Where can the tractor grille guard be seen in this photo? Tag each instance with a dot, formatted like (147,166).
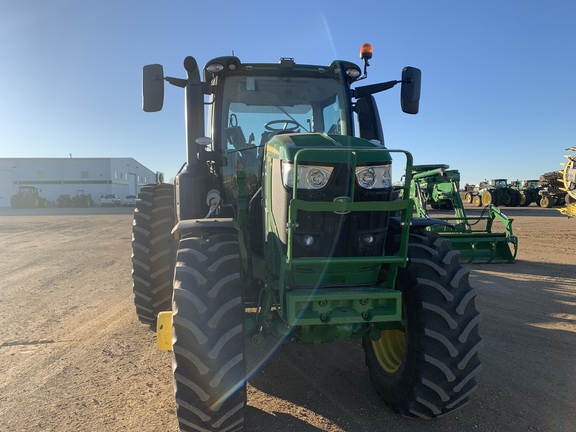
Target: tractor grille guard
(316,304)
(403,206)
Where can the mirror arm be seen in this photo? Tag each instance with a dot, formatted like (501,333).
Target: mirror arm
(181,82)
(178,82)
(360,92)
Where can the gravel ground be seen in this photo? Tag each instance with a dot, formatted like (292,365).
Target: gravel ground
(73,356)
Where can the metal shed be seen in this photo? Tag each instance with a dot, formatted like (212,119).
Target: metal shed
(72,176)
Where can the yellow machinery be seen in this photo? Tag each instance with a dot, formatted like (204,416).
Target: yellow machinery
(569,180)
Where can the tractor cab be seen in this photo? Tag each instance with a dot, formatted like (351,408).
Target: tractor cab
(250,104)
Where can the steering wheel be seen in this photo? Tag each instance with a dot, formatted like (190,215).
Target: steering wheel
(269,128)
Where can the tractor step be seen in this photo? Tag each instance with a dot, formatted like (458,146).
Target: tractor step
(164,331)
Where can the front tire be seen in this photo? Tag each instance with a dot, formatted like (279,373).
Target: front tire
(153,251)
(547,201)
(428,368)
(208,335)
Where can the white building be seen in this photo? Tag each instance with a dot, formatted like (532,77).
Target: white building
(73,176)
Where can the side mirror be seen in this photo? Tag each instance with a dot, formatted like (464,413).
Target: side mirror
(410,93)
(152,88)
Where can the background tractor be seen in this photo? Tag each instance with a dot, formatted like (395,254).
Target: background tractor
(528,191)
(28,197)
(80,200)
(473,191)
(283,225)
(498,193)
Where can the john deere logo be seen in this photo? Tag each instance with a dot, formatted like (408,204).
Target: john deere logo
(342,199)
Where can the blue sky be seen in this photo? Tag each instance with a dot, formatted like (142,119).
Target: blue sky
(499,76)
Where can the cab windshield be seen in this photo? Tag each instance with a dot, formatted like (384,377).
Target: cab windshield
(256,108)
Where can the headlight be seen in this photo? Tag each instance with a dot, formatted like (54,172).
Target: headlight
(374,177)
(309,176)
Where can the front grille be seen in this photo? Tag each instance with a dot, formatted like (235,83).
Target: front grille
(338,235)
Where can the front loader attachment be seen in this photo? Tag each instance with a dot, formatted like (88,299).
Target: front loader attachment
(476,241)
(472,236)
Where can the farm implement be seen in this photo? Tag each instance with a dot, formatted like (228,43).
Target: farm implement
(473,236)
(569,184)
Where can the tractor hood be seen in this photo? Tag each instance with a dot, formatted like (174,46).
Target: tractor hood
(287,146)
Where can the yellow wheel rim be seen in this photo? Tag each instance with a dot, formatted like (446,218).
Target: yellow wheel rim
(486,199)
(522,198)
(390,349)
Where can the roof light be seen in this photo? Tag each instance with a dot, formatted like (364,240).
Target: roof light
(366,51)
(215,68)
(353,73)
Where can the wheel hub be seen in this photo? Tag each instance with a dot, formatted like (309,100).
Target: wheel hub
(390,349)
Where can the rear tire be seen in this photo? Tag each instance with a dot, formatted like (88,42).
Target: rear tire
(429,368)
(517,197)
(208,335)
(525,199)
(153,251)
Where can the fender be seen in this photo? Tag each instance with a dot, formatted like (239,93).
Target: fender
(199,226)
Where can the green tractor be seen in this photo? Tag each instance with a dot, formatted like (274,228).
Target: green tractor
(28,197)
(497,192)
(528,190)
(283,225)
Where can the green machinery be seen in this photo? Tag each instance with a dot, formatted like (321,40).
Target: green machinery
(498,192)
(528,191)
(28,197)
(473,236)
(283,225)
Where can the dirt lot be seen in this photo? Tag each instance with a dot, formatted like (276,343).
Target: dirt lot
(74,358)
